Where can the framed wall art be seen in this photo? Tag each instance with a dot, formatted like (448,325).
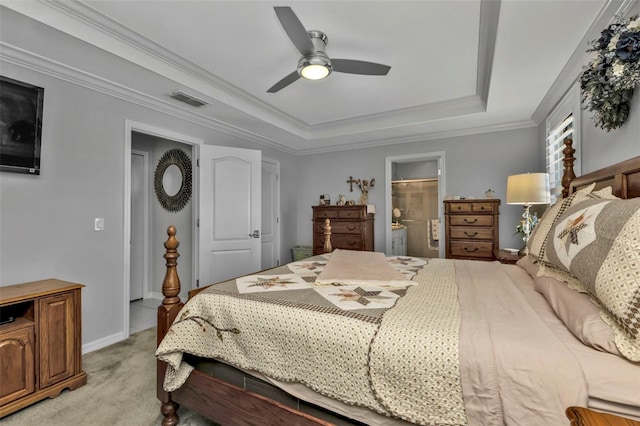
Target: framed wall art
(21,107)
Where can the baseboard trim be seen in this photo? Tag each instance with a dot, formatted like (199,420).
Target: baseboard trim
(103,343)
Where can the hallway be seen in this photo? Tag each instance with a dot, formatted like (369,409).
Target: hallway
(142,314)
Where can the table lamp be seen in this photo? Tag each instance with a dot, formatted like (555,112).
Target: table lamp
(528,189)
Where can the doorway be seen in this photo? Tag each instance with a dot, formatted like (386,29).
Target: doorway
(139,276)
(419,182)
(153,141)
(416,200)
(187,229)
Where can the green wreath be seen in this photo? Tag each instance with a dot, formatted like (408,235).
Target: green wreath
(608,81)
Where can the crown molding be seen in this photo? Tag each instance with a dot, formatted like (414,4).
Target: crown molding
(424,137)
(28,60)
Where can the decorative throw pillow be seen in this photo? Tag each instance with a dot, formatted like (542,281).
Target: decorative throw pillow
(578,313)
(605,193)
(529,264)
(538,238)
(598,242)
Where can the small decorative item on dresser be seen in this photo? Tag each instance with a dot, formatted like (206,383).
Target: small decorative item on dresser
(325,200)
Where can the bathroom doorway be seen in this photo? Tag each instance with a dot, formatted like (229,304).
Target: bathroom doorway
(414,185)
(417,202)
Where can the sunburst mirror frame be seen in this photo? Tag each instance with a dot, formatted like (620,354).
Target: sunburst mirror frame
(173,203)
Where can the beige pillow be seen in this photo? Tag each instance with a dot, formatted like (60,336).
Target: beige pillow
(529,264)
(578,313)
(598,242)
(537,240)
(604,193)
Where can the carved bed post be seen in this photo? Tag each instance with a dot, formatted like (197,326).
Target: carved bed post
(568,160)
(167,313)
(327,236)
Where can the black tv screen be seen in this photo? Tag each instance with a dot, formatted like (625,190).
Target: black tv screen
(21,126)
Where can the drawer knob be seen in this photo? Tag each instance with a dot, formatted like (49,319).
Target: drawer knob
(470,234)
(352,243)
(475,249)
(351,228)
(470,221)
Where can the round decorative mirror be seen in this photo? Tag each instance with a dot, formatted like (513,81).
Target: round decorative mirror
(172,180)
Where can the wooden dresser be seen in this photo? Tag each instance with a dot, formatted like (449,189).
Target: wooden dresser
(351,228)
(40,342)
(471,228)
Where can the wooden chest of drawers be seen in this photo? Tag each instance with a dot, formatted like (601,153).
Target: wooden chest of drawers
(351,228)
(471,228)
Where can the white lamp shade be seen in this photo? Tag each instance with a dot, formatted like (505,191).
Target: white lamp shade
(528,189)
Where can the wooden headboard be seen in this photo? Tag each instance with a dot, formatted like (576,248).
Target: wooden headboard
(624,178)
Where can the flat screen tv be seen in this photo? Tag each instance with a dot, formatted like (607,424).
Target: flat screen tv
(20,126)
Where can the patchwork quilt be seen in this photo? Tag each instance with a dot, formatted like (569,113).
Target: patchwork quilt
(392,349)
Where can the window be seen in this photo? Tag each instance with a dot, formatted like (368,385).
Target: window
(562,123)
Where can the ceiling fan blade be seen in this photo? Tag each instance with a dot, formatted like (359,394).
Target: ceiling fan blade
(352,66)
(294,29)
(284,82)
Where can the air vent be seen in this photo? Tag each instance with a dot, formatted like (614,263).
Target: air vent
(181,96)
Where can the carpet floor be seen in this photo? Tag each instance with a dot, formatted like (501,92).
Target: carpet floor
(120,390)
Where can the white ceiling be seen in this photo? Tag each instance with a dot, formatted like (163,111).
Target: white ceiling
(456,66)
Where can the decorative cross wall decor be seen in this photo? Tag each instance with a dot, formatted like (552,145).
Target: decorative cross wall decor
(351,181)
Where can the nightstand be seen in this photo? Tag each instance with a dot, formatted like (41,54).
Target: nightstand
(581,416)
(505,256)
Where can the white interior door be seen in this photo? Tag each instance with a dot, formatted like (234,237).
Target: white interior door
(270,214)
(138,276)
(230,209)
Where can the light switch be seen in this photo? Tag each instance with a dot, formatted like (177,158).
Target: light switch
(99,224)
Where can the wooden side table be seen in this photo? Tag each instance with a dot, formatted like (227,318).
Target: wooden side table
(581,416)
(505,256)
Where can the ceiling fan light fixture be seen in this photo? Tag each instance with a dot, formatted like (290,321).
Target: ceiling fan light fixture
(314,72)
(314,67)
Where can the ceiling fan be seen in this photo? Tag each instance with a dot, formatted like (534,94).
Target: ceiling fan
(315,64)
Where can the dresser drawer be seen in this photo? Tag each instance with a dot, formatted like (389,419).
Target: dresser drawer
(338,227)
(471,220)
(470,232)
(472,249)
(471,207)
(483,207)
(325,213)
(347,242)
(348,213)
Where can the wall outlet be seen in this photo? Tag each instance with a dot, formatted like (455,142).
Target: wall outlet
(99,224)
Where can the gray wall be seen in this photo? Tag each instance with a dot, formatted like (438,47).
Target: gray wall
(473,164)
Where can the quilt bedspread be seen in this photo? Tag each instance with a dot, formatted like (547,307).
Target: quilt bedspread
(393,350)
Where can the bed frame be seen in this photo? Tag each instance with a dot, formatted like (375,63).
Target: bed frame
(231,405)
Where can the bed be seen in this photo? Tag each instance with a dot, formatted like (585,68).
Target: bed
(357,338)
